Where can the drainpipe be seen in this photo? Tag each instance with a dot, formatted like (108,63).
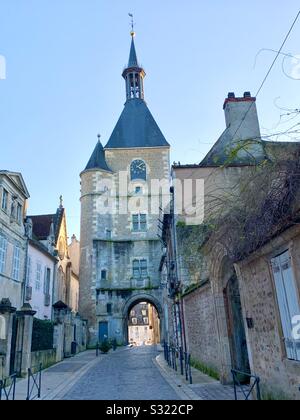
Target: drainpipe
(174,239)
(25,271)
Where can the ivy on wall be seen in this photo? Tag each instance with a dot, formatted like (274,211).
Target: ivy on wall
(42,335)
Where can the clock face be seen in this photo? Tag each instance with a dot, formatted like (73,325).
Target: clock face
(138,170)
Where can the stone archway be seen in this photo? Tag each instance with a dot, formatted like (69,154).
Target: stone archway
(135,300)
(225,290)
(218,268)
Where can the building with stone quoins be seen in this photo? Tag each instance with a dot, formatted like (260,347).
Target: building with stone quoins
(120,249)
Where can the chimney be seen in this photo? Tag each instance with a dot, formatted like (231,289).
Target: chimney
(241,116)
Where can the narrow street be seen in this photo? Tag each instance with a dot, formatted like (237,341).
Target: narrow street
(129,374)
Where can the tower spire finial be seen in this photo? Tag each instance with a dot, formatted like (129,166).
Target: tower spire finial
(132,33)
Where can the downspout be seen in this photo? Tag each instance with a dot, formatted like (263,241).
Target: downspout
(53,285)
(174,238)
(25,271)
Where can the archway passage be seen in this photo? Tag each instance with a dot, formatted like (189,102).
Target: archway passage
(236,329)
(143,325)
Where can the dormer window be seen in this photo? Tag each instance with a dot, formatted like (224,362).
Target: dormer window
(19,213)
(4,202)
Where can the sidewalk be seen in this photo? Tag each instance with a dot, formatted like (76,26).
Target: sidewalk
(204,387)
(58,379)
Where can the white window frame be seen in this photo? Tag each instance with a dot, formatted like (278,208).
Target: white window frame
(16,263)
(139,222)
(3,254)
(288,301)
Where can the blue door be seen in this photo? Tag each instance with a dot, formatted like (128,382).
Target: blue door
(103,331)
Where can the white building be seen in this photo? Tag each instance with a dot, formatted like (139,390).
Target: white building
(41,269)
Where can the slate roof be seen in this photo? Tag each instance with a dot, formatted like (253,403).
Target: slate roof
(97,160)
(237,152)
(136,128)
(42,224)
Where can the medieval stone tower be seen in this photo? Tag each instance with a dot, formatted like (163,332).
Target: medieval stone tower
(120,248)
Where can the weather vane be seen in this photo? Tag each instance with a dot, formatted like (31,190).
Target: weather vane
(132,24)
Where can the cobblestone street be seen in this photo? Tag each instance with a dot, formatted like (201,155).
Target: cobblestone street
(129,374)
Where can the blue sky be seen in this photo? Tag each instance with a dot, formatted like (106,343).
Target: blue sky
(64,86)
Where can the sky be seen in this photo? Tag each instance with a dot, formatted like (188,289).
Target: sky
(63,85)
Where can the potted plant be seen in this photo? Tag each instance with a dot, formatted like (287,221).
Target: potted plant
(104,347)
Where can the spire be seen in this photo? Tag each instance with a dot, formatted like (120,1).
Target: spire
(133,61)
(97,160)
(134,74)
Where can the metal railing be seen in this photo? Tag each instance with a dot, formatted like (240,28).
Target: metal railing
(8,388)
(34,384)
(174,355)
(246,390)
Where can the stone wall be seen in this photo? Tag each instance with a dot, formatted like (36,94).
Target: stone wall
(46,357)
(200,325)
(280,377)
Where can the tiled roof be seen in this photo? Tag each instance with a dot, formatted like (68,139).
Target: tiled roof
(42,224)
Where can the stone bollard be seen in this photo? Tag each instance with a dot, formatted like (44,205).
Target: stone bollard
(7,315)
(25,326)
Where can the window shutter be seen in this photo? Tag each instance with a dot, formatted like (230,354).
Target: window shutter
(288,302)
(16,263)
(3,250)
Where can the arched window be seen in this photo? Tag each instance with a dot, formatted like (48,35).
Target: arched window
(138,170)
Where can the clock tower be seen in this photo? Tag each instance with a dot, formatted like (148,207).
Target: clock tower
(120,201)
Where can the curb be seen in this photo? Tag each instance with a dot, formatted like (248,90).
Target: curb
(181,389)
(65,387)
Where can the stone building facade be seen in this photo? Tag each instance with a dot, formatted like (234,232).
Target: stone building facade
(50,231)
(120,249)
(13,243)
(270,293)
(235,311)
